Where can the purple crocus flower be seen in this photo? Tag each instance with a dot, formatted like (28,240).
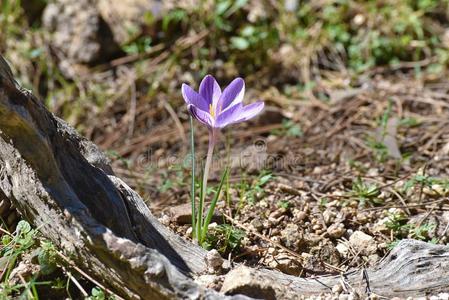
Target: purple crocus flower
(217,109)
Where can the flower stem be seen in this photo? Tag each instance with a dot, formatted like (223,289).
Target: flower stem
(210,151)
(192,199)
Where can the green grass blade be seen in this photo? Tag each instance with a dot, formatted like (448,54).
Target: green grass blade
(192,196)
(199,217)
(211,209)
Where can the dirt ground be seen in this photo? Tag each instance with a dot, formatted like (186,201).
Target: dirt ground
(333,188)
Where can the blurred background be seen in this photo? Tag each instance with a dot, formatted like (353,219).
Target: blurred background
(356,97)
(113,69)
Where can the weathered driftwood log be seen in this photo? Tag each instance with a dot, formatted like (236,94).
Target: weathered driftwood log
(59,182)
(63,184)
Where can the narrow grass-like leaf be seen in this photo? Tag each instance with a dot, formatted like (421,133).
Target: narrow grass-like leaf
(200,212)
(211,209)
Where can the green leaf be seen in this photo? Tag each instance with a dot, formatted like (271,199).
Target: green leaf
(6,239)
(47,258)
(149,18)
(224,237)
(211,209)
(97,294)
(175,15)
(222,7)
(239,43)
(23,227)
(264,179)
(36,52)
(248,30)
(199,214)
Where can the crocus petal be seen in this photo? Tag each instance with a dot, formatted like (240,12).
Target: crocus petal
(232,95)
(193,98)
(201,116)
(229,116)
(250,111)
(210,90)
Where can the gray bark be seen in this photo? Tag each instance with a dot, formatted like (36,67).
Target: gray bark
(59,182)
(63,184)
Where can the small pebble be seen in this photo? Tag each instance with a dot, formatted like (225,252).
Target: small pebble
(214,261)
(300,215)
(165,220)
(343,297)
(337,289)
(257,224)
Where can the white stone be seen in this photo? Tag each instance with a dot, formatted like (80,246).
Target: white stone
(362,242)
